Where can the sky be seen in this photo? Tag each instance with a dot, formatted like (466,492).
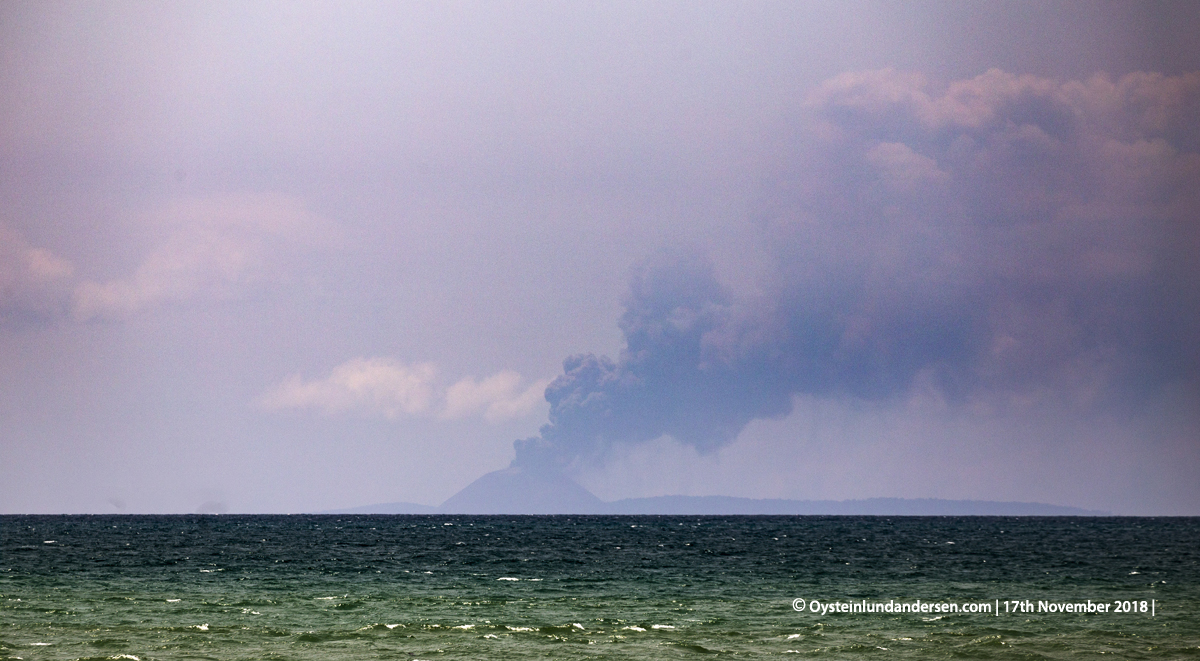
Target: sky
(292,257)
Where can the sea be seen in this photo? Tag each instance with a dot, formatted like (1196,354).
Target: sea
(598,587)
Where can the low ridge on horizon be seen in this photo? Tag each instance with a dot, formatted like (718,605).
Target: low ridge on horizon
(519,491)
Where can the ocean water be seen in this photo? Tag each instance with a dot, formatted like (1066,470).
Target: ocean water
(597,587)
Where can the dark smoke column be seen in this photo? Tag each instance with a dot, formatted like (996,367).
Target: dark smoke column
(686,372)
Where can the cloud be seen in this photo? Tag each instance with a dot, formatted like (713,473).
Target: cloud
(901,168)
(498,397)
(213,247)
(33,281)
(371,385)
(1050,242)
(1009,244)
(386,387)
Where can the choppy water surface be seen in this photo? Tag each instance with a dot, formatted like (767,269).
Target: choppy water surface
(458,587)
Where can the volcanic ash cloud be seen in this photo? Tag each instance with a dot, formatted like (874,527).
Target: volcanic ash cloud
(1008,241)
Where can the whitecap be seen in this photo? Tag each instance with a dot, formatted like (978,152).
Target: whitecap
(202,627)
(491,635)
(125,656)
(464,626)
(661,626)
(1134,572)
(519,628)
(172,601)
(577,625)
(393,626)
(795,635)
(39,644)
(633,628)
(49,541)
(507,578)
(324,598)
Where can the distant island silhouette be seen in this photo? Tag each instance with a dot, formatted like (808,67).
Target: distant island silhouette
(516,490)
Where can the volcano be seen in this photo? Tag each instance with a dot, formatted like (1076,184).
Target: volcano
(519,490)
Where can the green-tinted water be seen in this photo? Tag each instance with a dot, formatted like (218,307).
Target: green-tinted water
(451,587)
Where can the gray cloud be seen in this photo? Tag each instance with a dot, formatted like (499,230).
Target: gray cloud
(34,282)
(1048,261)
(217,246)
(672,378)
(1008,243)
(212,247)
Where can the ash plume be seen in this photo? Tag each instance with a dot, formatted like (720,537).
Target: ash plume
(1005,243)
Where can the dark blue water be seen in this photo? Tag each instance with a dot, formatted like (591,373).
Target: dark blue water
(453,587)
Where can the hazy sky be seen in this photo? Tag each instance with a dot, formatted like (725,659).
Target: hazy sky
(285,257)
